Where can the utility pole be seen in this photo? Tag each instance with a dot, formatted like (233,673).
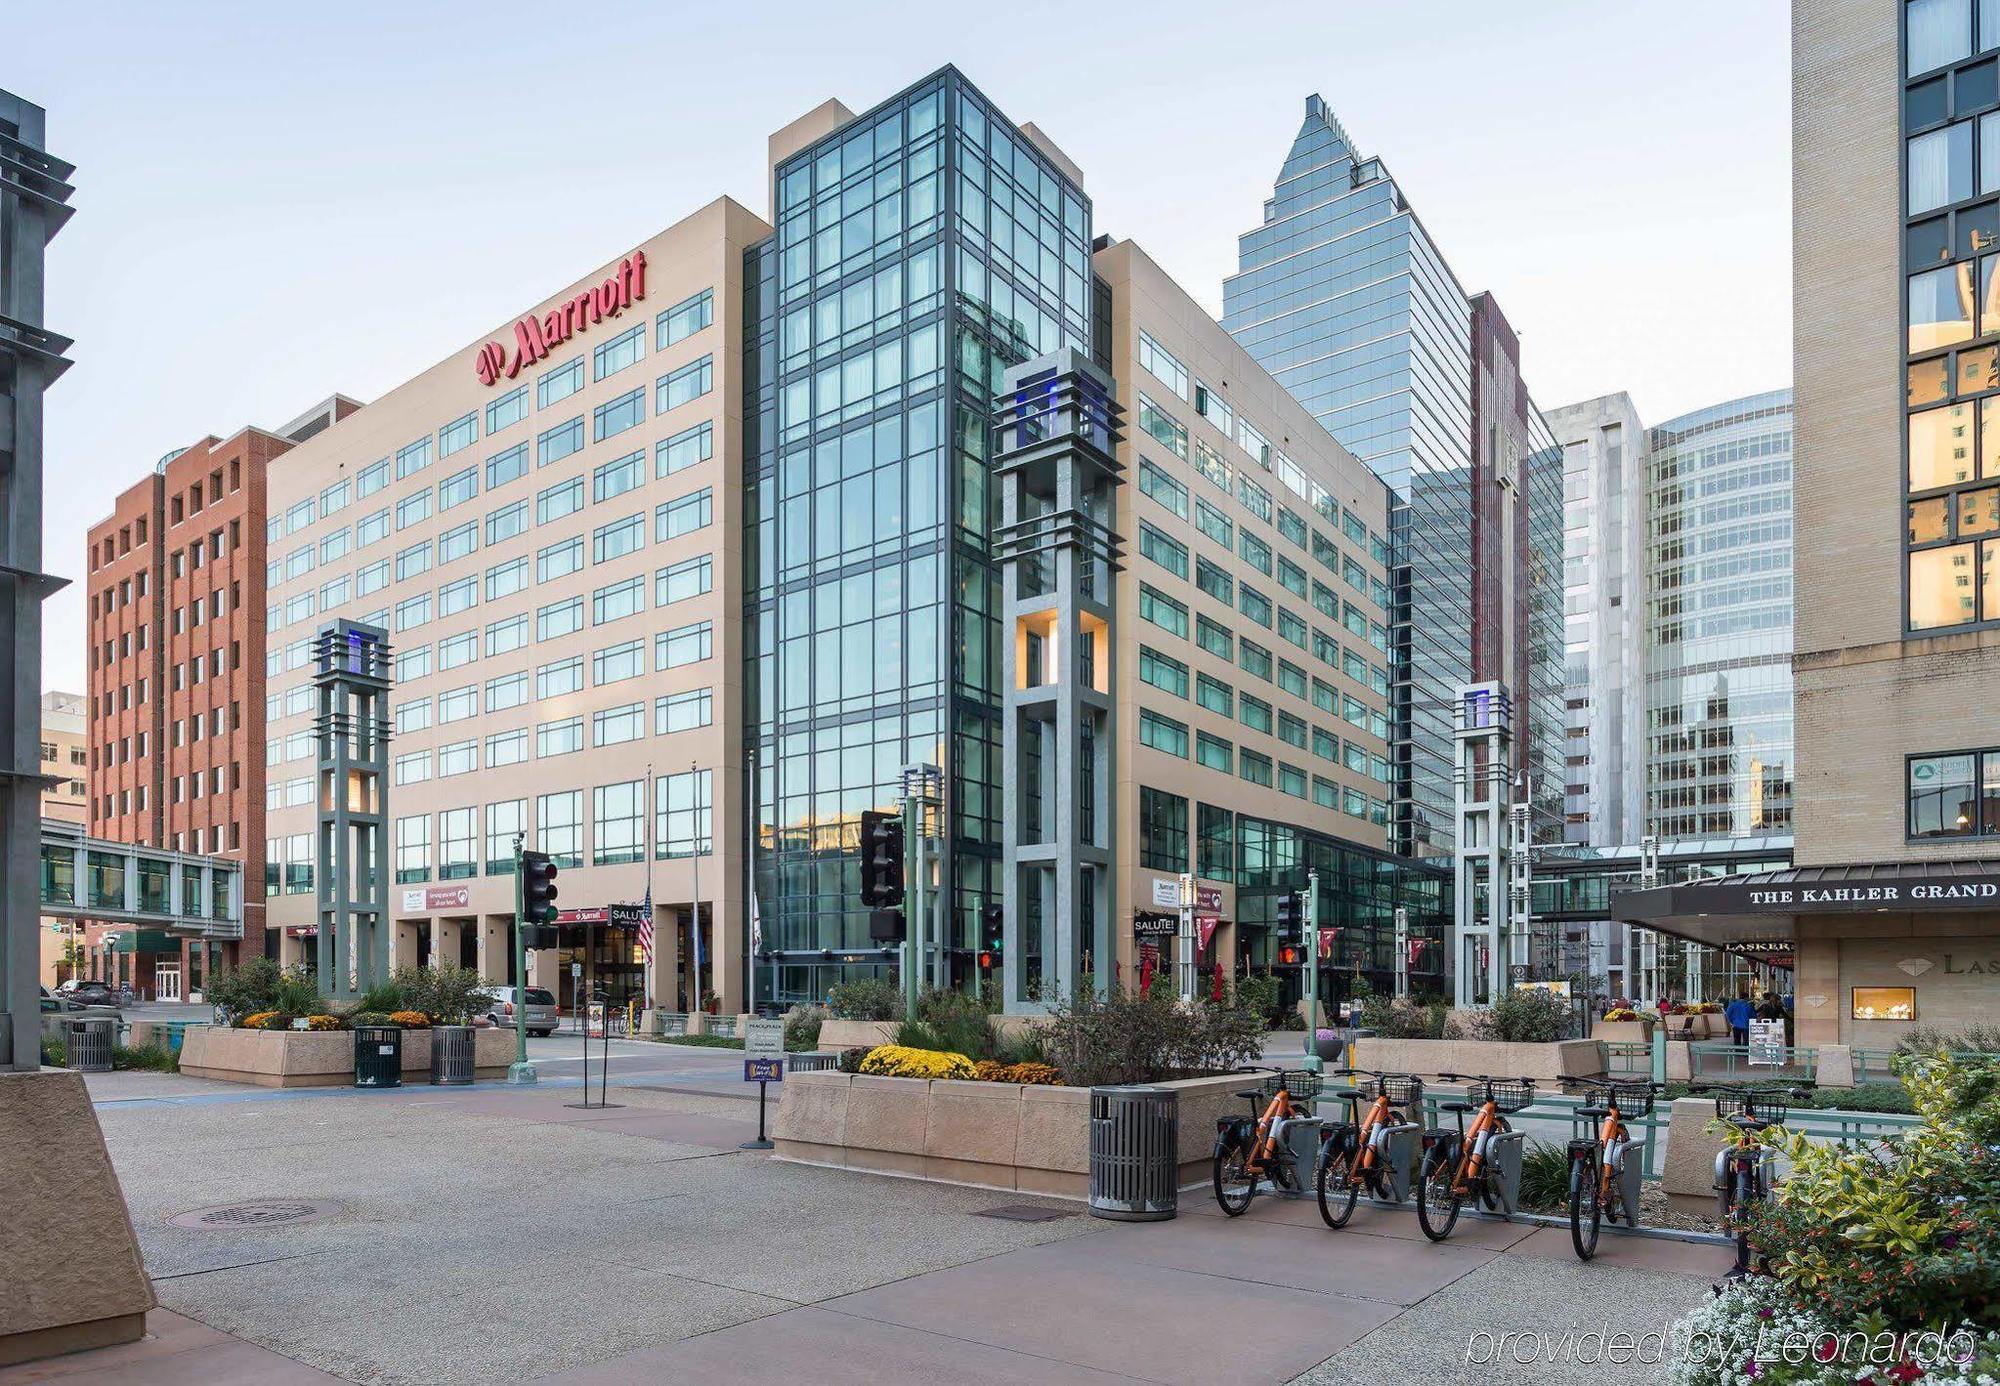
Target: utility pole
(521,1073)
(1402,951)
(914,936)
(1184,940)
(1311,932)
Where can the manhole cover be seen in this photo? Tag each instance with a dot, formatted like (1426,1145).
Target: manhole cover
(273,1212)
(1023,1212)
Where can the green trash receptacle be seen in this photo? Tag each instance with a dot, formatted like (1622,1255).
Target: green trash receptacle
(378,1056)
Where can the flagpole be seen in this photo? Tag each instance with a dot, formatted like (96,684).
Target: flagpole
(651,1003)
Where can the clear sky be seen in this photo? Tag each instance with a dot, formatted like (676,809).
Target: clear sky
(277,201)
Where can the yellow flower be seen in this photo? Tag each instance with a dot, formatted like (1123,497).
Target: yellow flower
(896,1061)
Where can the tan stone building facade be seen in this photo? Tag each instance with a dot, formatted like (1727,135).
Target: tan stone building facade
(1893,911)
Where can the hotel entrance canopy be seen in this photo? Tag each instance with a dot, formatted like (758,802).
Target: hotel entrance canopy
(1758,912)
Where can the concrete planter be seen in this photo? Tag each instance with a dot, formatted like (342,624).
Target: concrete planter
(1623,1031)
(1544,1062)
(319,1058)
(855,1034)
(1035,1139)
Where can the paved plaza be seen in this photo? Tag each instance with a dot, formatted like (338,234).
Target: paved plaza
(486,1234)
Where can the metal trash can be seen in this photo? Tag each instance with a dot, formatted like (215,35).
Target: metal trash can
(811,1063)
(88,1043)
(1134,1154)
(378,1056)
(451,1056)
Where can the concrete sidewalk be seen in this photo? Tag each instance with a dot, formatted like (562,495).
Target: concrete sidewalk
(473,1235)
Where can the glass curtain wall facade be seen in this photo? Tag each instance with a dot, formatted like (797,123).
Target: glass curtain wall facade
(920,249)
(1342,295)
(1719,621)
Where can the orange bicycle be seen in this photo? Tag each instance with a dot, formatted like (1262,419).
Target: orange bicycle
(1249,1149)
(1352,1155)
(1455,1166)
(1596,1167)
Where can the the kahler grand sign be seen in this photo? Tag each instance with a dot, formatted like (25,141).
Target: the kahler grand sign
(1901,892)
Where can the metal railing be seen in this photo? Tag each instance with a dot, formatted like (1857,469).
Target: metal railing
(1707,1057)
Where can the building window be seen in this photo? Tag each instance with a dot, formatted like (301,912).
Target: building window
(456,845)
(684,449)
(615,416)
(559,738)
(507,466)
(559,826)
(618,823)
(1163,672)
(559,442)
(613,726)
(684,711)
(616,478)
(1163,830)
(617,601)
(555,502)
(507,410)
(683,645)
(626,661)
(618,538)
(510,690)
(1953,795)
(559,559)
(558,619)
(504,821)
(610,357)
(560,678)
(1214,752)
(1163,611)
(689,578)
(559,383)
(685,385)
(1163,488)
(1162,365)
(684,515)
(686,318)
(1163,733)
(682,809)
(413,849)
(1882,1003)
(506,748)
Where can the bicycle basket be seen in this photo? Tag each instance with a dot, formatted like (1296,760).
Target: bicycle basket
(1508,1096)
(1400,1088)
(1631,1099)
(1768,1107)
(1302,1086)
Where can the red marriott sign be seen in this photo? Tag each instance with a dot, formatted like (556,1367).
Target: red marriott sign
(536,337)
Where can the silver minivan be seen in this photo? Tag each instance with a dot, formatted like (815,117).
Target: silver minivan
(541,1009)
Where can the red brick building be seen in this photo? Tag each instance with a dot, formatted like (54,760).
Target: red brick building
(175,604)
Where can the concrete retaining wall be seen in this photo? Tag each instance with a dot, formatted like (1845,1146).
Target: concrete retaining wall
(1035,1139)
(319,1058)
(1544,1062)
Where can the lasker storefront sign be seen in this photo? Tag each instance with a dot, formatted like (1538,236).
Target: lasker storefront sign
(535,337)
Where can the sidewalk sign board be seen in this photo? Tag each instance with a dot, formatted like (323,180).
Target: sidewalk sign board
(1767,1042)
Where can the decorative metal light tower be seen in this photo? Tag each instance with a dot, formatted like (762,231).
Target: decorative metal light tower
(1482,903)
(1055,463)
(351,674)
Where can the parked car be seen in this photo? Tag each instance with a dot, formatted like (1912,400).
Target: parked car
(78,994)
(49,1003)
(541,1008)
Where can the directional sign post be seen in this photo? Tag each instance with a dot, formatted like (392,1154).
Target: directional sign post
(763,1064)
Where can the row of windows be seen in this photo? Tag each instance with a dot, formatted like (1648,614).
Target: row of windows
(682,808)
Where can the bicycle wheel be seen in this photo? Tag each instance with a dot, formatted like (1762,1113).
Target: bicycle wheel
(1338,1190)
(1437,1201)
(1235,1185)
(1585,1212)
(1489,1172)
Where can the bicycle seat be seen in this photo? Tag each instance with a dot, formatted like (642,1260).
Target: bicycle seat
(1595,1113)
(1253,1094)
(1458,1106)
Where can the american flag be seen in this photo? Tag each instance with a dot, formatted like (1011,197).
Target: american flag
(646,924)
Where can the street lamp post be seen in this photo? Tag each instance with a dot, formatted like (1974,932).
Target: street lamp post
(521,1073)
(1311,932)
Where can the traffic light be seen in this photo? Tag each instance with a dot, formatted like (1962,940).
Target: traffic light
(538,895)
(994,918)
(885,926)
(881,860)
(987,958)
(1288,956)
(1289,917)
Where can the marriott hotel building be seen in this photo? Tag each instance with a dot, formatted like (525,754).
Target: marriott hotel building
(685,563)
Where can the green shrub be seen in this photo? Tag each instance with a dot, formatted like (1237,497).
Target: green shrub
(150,1058)
(1544,1177)
(1027,1045)
(1971,1039)
(960,1022)
(1867,1097)
(1258,993)
(368,1018)
(55,1054)
(385,996)
(703,1041)
(1402,1018)
(1530,1017)
(851,1059)
(449,995)
(914,1034)
(802,1028)
(1133,1037)
(250,987)
(866,998)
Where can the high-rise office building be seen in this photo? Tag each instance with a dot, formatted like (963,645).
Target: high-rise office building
(1604,612)
(1344,297)
(1718,659)
(176,620)
(686,564)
